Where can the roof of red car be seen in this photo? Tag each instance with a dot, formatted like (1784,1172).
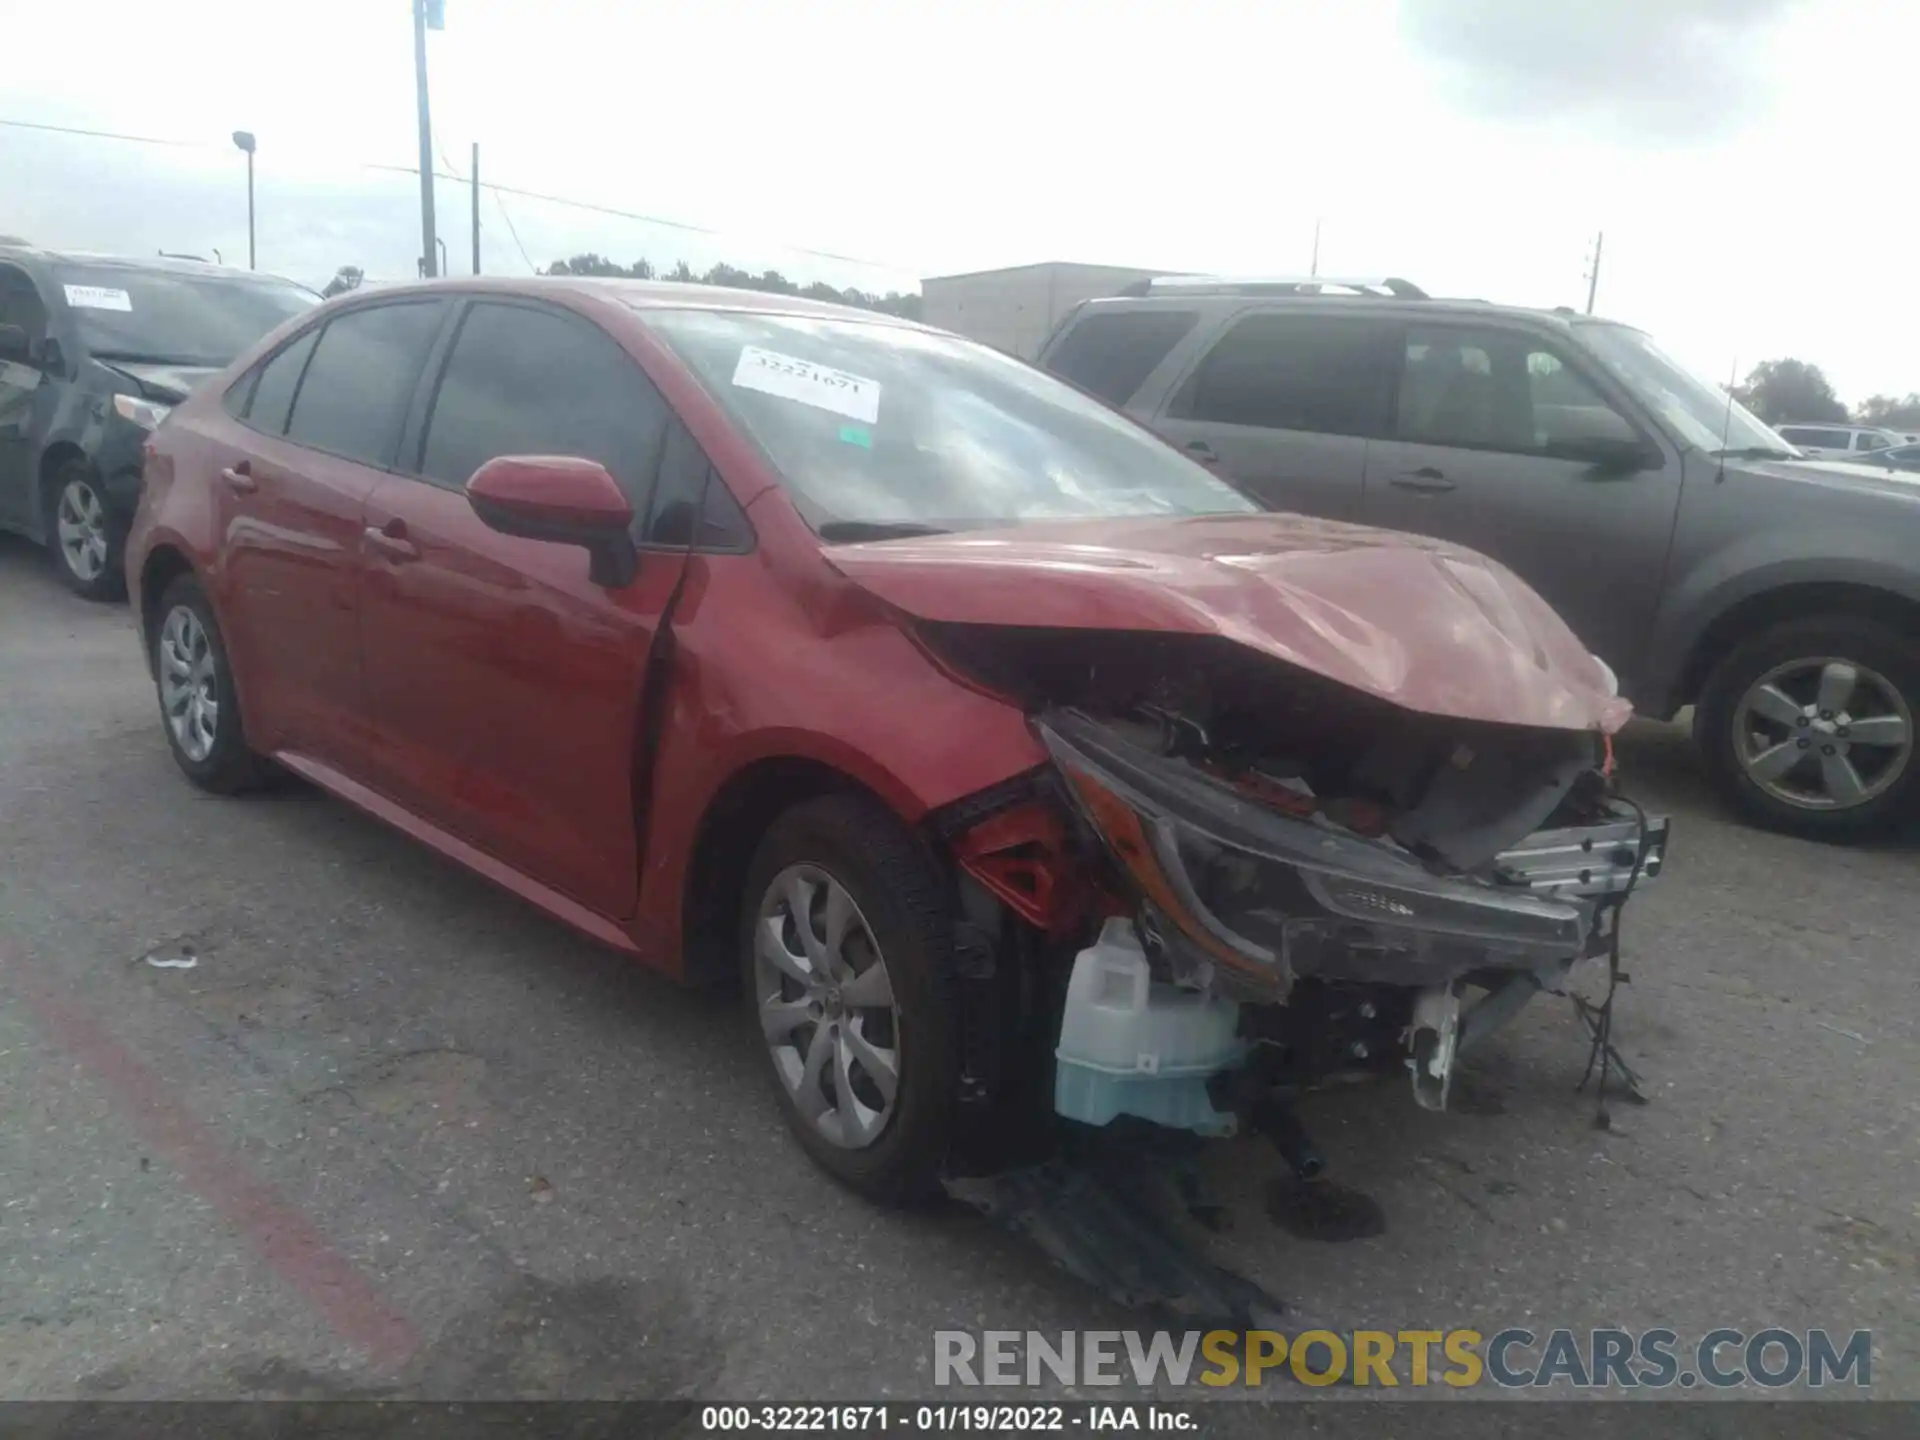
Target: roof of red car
(652,295)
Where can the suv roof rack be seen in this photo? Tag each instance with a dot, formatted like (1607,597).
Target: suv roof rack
(1387,287)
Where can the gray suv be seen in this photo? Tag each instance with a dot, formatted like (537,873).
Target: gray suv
(1699,555)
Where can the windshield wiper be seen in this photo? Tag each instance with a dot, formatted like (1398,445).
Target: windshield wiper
(856,530)
(1754,452)
(136,358)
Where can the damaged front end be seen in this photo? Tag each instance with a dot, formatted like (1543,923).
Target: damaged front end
(1346,926)
(1320,802)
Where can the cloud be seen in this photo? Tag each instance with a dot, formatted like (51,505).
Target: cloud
(1663,70)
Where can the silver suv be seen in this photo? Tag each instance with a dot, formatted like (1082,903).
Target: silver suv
(1698,553)
(1835,442)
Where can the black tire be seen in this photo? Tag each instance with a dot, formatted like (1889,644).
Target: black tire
(1867,643)
(905,903)
(229,767)
(109,582)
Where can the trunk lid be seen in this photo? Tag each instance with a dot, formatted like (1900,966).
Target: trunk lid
(1420,623)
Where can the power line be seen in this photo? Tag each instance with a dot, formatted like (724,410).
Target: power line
(636,215)
(526,259)
(494,186)
(106,134)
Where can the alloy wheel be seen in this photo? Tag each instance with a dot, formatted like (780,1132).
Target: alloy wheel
(189,683)
(81,524)
(1823,733)
(826,1006)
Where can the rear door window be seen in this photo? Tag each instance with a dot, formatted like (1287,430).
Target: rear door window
(526,380)
(1110,353)
(1318,373)
(1821,439)
(273,386)
(360,380)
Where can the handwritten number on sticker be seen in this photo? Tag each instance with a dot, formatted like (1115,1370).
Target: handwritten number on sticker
(821,386)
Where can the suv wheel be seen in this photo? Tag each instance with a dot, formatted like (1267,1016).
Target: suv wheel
(86,542)
(198,707)
(1808,727)
(845,945)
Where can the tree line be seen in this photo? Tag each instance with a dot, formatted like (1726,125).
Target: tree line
(771,281)
(1780,391)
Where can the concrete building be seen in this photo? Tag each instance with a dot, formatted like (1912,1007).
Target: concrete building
(1016,309)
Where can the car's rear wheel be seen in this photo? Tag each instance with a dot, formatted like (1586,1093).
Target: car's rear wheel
(1808,727)
(86,541)
(846,942)
(199,708)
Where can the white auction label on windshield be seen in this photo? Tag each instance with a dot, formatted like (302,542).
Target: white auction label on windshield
(98,297)
(820,386)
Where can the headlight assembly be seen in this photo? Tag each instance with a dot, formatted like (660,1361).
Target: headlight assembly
(1271,896)
(147,414)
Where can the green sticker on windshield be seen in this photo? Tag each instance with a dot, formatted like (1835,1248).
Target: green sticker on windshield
(857,435)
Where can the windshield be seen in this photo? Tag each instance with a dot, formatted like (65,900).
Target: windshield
(1703,414)
(881,426)
(176,318)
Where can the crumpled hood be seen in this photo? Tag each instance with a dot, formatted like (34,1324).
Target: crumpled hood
(167,383)
(1422,624)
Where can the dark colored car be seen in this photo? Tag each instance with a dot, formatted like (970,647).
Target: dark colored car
(94,352)
(1694,549)
(1895,457)
(758,637)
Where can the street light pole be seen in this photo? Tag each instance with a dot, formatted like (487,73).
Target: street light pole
(244,139)
(429,252)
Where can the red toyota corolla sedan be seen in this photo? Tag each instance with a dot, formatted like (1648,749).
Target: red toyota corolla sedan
(1019,767)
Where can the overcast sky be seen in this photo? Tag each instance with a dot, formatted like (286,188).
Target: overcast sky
(1748,159)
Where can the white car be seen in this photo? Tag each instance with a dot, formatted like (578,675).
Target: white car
(1839,442)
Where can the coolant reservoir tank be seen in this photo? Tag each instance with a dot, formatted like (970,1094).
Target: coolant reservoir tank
(1133,1045)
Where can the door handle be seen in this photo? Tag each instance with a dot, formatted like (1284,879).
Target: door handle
(1426,479)
(391,540)
(1203,452)
(239,476)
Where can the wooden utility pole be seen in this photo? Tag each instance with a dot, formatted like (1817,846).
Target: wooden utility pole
(476,207)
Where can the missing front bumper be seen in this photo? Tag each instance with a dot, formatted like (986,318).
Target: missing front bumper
(1235,892)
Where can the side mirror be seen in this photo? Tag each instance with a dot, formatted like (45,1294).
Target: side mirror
(563,499)
(1608,454)
(14,345)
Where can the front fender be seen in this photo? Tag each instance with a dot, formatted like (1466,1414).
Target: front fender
(755,678)
(1752,566)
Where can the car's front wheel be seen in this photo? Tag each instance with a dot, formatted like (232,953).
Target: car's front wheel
(845,938)
(199,708)
(1808,726)
(85,538)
